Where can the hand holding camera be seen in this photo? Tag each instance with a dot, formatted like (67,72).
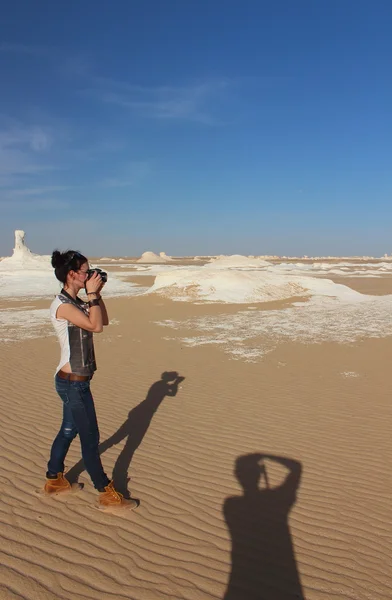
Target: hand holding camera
(96,278)
(103,274)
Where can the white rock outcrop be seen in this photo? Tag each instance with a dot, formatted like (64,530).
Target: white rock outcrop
(165,256)
(235,261)
(22,257)
(151,257)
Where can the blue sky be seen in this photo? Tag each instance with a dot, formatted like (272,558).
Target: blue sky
(197,126)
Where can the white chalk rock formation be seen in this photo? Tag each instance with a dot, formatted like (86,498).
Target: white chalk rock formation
(245,286)
(151,257)
(165,256)
(22,257)
(236,261)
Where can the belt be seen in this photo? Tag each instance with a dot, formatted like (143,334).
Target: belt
(73,376)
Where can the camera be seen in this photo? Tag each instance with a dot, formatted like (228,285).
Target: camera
(103,274)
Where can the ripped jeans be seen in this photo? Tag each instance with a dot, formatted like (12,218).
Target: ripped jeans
(78,418)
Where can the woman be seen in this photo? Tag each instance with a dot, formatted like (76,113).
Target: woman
(75,321)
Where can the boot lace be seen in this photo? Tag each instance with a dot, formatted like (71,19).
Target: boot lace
(117,495)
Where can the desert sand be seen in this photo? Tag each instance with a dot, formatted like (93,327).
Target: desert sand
(266,476)
(325,407)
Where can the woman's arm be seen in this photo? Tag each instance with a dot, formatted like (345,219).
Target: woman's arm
(74,315)
(105,318)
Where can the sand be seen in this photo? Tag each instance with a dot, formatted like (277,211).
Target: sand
(323,410)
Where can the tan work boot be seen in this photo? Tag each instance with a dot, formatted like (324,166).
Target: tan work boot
(110,498)
(55,486)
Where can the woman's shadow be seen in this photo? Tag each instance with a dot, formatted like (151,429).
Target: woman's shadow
(263,560)
(134,429)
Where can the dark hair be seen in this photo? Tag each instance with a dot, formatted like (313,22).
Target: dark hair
(64,262)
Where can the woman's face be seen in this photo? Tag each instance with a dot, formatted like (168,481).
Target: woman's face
(80,276)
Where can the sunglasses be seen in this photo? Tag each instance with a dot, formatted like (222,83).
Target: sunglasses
(75,255)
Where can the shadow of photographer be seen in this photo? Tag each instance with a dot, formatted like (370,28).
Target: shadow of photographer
(263,559)
(133,429)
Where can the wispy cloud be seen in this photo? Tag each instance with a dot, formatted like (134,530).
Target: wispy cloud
(129,175)
(197,101)
(37,191)
(33,137)
(32,205)
(16,162)
(12,48)
(192,102)
(24,154)
(31,154)
(22,150)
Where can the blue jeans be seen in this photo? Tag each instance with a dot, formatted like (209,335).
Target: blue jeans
(79,417)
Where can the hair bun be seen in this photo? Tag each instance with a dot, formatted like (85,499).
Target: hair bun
(57,259)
